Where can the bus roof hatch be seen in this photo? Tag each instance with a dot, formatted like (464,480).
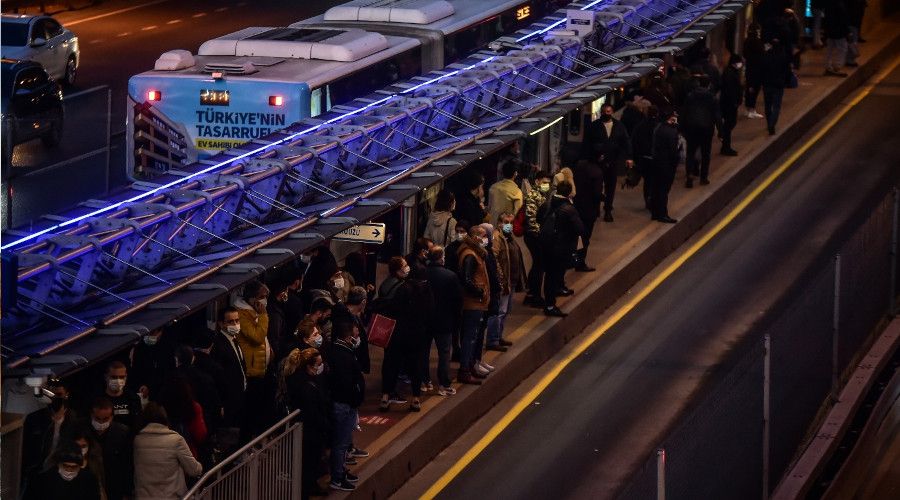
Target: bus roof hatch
(394,11)
(342,45)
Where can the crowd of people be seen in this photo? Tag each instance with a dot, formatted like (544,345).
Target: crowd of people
(299,340)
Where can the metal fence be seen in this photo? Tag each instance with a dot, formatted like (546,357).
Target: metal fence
(740,439)
(266,468)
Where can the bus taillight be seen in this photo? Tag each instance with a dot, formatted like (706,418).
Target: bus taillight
(154,95)
(276,100)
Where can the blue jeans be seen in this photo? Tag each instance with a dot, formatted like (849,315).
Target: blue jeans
(772,99)
(342,435)
(471,322)
(496,322)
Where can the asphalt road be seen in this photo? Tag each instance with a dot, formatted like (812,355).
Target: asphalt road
(570,444)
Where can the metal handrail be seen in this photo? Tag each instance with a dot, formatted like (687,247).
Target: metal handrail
(216,470)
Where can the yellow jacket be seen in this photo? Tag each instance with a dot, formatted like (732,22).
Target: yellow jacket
(252,339)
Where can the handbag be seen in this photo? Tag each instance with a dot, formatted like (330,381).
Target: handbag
(519,222)
(380,330)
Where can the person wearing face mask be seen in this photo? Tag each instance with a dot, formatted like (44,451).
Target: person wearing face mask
(348,387)
(441,225)
(416,260)
(42,430)
(447,293)
(730,101)
(642,146)
(254,342)
(612,151)
(451,250)
(339,285)
(126,403)
(91,455)
(662,168)
(534,200)
(65,480)
(700,116)
(560,229)
(476,298)
(150,360)
(114,442)
(307,390)
(512,280)
(227,354)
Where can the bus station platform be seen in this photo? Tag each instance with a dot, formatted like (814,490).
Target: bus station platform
(401,443)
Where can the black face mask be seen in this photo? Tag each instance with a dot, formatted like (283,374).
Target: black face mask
(56,403)
(605,118)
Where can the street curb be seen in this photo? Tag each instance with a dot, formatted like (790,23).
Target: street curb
(387,471)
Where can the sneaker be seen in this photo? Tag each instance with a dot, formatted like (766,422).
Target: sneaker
(554,311)
(446,391)
(350,461)
(480,370)
(356,452)
(486,366)
(342,485)
(350,477)
(753,114)
(427,387)
(397,399)
(498,348)
(505,343)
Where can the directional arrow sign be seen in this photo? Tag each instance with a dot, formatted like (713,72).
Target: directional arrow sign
(365,233)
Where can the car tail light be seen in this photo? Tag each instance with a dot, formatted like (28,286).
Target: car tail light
(276,100)
(154,95)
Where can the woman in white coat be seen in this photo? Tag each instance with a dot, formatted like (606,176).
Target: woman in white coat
(161,459)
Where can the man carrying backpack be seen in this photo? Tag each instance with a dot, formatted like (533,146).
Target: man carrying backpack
(560,230)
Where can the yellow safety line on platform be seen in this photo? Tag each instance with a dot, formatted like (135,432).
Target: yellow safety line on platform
(614,318)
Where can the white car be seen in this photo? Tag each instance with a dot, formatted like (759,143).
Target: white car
(41,39)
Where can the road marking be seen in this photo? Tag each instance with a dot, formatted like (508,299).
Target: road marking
(123,34)
(86,91)
(148,28)
(199,14)
(95,41)
(617,315)
(221,9)
(174,21)
(115,12)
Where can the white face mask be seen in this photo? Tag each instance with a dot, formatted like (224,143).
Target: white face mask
(100,426)
(404,272)
(339,283)
(320,369)
(263,302)
(115,384)
(317,341)
(84,451)
(485,242)
(738,65)
(544,187)
(151,340)
(460,236)
(233,329)
(355,342)
(67,475)
(305,258)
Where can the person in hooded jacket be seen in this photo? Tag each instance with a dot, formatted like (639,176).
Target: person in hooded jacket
(65,480)
(441,226)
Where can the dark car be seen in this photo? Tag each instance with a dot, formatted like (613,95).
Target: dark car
(32,106)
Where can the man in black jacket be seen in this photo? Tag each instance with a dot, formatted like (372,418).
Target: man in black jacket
(470,204)
(730,101)
(612,150)
(227,353)
(347,389)
(560,230)
(447,310)
(775,74)
(662,167)
(115,442)
(205,391)
(699,117)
